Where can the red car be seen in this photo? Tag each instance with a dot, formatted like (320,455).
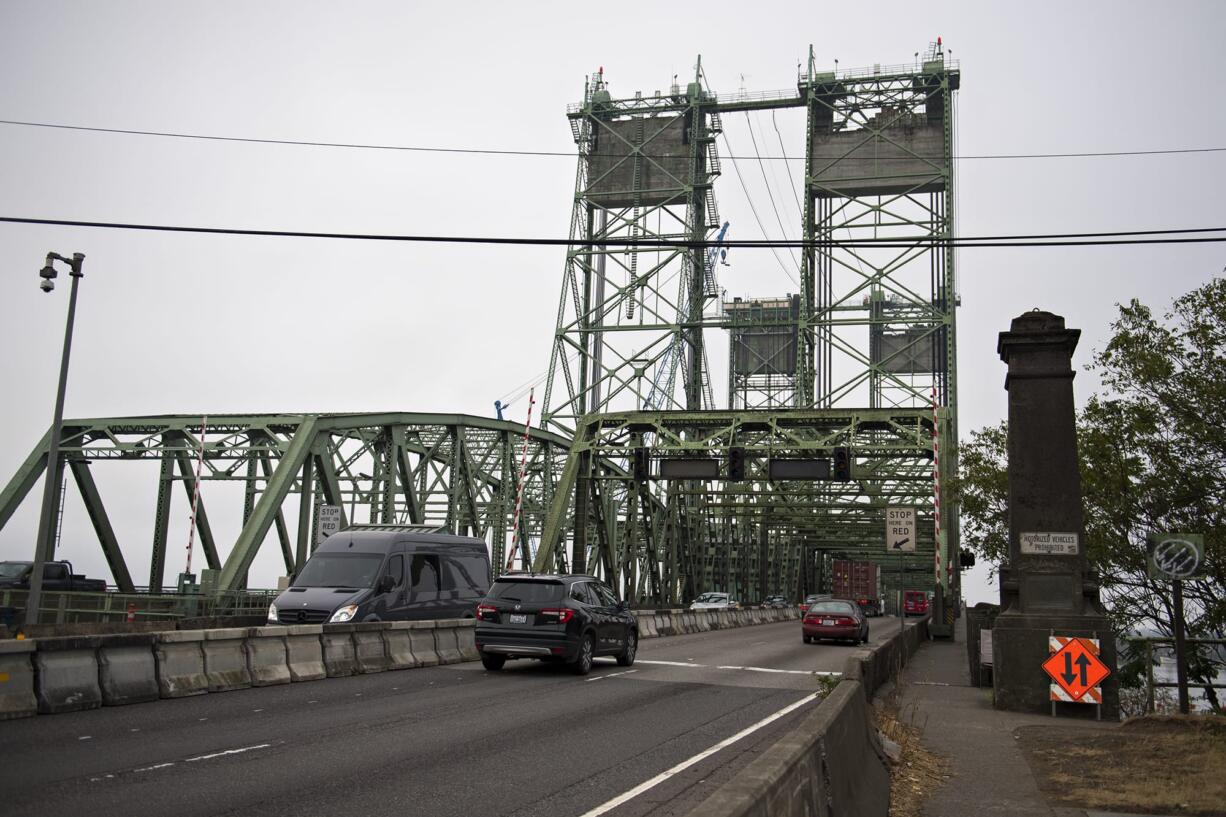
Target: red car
(915,603)
(837,619)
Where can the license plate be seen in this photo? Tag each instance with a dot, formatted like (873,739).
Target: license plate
(827,622)
(519,618)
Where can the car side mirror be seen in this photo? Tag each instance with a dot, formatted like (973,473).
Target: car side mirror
(623,606)
(385,584)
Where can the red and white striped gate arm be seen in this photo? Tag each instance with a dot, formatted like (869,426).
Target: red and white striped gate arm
(519,490)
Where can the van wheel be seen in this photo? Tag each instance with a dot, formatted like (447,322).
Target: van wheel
(492,662)
(583,661)
(626,657)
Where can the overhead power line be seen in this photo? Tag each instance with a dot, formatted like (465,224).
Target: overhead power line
(569,154)
(1174,236)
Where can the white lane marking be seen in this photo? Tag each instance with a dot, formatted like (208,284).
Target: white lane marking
(170,763)
(746,669)
(783,671)
(685,764)
(148,768)
(611,675)
(86,737)
(226,752)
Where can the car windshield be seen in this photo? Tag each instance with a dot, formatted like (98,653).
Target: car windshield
(526,590)
(340,570)
(840,607)
(11,570)
(712,598)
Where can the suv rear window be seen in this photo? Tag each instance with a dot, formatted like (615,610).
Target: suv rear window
(533,592)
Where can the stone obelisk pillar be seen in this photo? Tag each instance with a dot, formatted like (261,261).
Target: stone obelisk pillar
(1046,587)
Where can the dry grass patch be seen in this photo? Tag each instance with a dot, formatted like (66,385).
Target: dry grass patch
(918,772)
(1152,765)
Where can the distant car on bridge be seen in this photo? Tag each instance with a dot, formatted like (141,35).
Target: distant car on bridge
(715,601)
(915,603)
(559,618)
(814,598)
(834,619)
(56,576)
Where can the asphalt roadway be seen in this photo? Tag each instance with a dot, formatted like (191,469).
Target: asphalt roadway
(454,740)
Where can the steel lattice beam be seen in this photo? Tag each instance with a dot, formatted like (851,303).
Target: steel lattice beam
(450,470)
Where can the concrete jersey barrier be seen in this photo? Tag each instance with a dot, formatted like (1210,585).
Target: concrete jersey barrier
(69,673)
(831,763)
(17,680)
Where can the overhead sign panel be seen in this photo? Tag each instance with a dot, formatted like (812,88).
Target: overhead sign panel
(900,529)
(687,468)
(799,469)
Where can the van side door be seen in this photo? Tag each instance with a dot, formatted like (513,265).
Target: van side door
(465,578)
(395,601)
(425,597)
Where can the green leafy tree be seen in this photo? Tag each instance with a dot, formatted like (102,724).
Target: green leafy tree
(1152,450)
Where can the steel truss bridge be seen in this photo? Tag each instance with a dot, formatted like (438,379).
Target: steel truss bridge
(862,360)
(666,539)
(454,472)
(871,333)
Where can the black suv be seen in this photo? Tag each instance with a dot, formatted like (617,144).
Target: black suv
(554,618)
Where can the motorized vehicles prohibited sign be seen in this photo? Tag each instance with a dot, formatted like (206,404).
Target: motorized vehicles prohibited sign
(1075,667)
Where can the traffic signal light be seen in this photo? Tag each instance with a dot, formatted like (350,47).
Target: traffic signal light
(641,464)
(841,469)
(736,463)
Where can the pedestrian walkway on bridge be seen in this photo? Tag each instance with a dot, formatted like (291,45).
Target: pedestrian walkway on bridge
(990,773)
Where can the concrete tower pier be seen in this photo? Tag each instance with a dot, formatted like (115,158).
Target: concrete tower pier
(1047,587)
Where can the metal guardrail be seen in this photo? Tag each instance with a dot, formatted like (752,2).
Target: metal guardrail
(57,607)
(1150,683)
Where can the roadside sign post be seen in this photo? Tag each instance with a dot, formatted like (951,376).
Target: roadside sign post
(1177,556)
(900,539)
(1181,655)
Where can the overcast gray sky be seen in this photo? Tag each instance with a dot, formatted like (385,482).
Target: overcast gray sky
(189,324)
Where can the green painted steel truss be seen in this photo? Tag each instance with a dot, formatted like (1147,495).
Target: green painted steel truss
(873,329)
(662,541)
(455,472)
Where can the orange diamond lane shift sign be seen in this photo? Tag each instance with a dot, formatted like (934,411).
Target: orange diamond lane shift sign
(1076,668)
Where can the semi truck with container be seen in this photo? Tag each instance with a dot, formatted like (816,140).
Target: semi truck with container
(859,582)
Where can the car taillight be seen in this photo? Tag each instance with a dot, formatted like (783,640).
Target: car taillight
(563,615)
(845,622)
(486,611)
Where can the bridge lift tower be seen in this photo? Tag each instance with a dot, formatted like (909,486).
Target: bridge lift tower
(864,354)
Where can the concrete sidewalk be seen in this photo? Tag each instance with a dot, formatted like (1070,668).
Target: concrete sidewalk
(989,772)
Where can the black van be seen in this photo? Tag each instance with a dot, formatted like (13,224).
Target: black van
(386,573)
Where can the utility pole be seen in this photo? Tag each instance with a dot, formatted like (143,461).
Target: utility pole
(44,545)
